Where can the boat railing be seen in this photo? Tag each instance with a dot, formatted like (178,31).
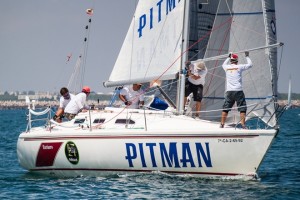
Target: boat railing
(254,119)
(46,116)
(32,112)
(31,120)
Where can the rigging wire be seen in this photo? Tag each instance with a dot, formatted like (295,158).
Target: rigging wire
(85,52)
(199,40)
(228,9)
(219,51)
(133,32)
(76,80)
(281,55)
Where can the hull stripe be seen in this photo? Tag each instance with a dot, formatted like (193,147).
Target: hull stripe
(139,137)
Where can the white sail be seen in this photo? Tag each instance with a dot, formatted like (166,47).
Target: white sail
(241,25)
(152,44)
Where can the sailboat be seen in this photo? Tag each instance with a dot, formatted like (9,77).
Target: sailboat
(163,36)
(289,102)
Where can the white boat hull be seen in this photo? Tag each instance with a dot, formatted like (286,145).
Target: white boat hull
(205,152)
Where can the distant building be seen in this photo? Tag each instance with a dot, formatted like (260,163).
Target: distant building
(37,96)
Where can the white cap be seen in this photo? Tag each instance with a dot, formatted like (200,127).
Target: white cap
(200,65)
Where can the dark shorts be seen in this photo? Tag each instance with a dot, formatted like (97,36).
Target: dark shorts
(197,91)
(69,116)
(235,96)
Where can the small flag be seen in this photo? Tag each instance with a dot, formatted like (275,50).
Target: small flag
(69,57)
(89,11)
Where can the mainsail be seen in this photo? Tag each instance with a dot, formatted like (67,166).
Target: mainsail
(241,25)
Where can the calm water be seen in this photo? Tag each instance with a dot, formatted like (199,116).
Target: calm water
(279,174)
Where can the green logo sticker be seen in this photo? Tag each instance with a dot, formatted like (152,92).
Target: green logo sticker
(72,153)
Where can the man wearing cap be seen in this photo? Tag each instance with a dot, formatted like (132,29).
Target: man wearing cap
(63,102)
(234,90)
(132,96)
(195,83)
(77,104)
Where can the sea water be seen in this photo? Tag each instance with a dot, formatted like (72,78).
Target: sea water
(279,174)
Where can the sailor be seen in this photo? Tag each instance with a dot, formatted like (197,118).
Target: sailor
(132,96)
(63,102)
(234,90)
(195,83)
(77,104)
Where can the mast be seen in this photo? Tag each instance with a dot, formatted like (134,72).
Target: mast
(76,80)
(185,43)
(290,92)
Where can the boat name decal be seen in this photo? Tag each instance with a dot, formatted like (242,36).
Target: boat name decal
(155,12)
(178,155)
(47,154)
(72,153)
(229,140)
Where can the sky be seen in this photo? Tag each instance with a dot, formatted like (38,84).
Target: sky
(36,37)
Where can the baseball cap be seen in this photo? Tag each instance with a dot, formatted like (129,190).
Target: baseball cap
(200,66)
(234,57)
(86,89)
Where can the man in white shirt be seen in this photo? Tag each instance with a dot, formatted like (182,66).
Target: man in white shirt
(63,102)
(234,90)
(195,83)
(77,104)
(132,96)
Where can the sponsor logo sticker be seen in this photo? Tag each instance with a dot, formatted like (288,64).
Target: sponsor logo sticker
(72,153)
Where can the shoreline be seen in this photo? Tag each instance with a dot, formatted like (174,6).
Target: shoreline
(8,105)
